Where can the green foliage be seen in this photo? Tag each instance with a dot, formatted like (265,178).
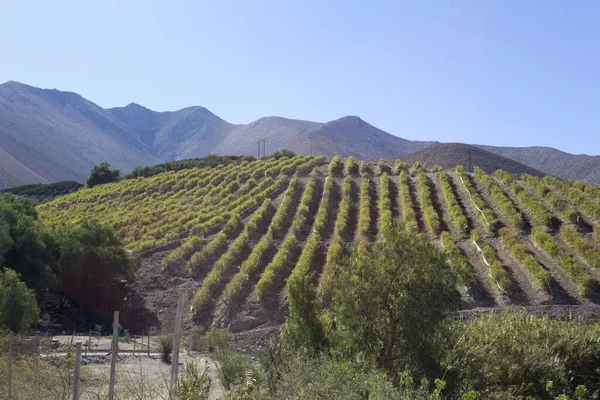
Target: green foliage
(364,211)
(212,160)
(523,255)
(102,174)
(334,257)
(383,167)
(343,217)
(386,218)
(497,272)
(336,166)
(195,382)
(485,214)
(373,320)
(430,215)
(259,218)
(585,248)
(166,347)
(285,209)
(299,225)
(249,271)
(201,257)
(401,166)
(508,208)
(514,355)
(18,308)
(92,259)
(322,217)
(457,260)
(184,251)
(235,367)
(351,166)
(585,282)
(219,339)
(45,190)
(533,205)
(409,216)
(275,272)
(456,212)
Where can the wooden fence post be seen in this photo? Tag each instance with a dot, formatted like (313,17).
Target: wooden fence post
(77,370)
(176,343)
(10,356)
(113,361)
(37,367)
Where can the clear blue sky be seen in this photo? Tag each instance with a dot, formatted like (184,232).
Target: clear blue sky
(500,72)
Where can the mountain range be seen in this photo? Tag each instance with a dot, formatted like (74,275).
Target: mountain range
(48,135)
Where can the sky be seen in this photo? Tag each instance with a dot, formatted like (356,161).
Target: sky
(506,72)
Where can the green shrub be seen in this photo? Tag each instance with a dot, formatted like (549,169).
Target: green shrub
(322,217)
(285,209)
(166,347)
(585,282)
(383,167)
(516,355)
(351,166)
(523,255)
(534,206)
(485,214)
(336,166)
(302,214)
(18,308)
(274,272)
(430,215)
(364,210)
(583,247)
(219,339)
(334,257)
(508,208)
(409,216)
(457,214)
(401,166)
(195,382)
(234,367)
(457,260)
(497,272)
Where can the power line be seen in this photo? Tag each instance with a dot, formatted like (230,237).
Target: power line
(311,148)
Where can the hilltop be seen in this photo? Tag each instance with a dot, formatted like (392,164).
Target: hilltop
(51,135)
(230,235)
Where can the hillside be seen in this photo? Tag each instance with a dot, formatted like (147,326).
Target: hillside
(553,162)
(449,155)
(50,135)
(230,235)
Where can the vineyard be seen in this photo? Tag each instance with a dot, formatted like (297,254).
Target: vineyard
(237,234)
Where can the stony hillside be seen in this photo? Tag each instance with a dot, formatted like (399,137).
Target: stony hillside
(449,155)
(48,135)
(553,162)
(230,236)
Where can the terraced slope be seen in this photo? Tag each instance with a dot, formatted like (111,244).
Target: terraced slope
(232,236)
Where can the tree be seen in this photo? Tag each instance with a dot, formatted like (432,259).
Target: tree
(103,174)
(389,300)
(18,308)
(92,260)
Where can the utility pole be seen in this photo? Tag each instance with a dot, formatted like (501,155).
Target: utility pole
(264,151)
(258,143)
(311,148)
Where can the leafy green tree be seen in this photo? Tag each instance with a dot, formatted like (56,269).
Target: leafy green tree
(23,246)
(389,300)
(18,308)
(93,260)
(103,174)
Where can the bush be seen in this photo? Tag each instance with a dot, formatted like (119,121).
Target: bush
(336,166)
(351,166)
(102,174)
(409,217)
(219,339)
(459,219)
(18,308)
(585,282)
(523,255)
(322,217)
(497,272)
(166,347)
(195,382)
(432,219)
(482,210)
(394,329)
(515,355)
(457,260)
(234,367)
(364,212)
(505,204)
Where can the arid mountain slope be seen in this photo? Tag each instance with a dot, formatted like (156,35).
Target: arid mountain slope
(48,135)
(449,155)
(552,161)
